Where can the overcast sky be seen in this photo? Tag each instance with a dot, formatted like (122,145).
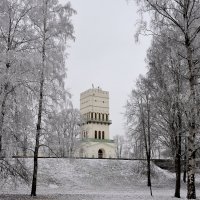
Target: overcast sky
(105,53)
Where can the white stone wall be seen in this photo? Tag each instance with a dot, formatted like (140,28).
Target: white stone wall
(94,106)
(91,128)
(94,100)
(90,150)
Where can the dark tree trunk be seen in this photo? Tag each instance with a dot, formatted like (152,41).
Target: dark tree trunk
(37,139)
(3,111)
(192,127)
(1,145)
(147,142)
(178,142)
(41,95)
(185,162)
(178,168)
(35,169)
(149,174)
(149,147)
(185,171)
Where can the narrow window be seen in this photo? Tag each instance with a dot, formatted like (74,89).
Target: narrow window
(106,117)
(99,116)
(95,135)
(103,117)
(99,134)
(92,115)
(103,135)
(95,115)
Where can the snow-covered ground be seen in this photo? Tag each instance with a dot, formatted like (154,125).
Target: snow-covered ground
(85,179)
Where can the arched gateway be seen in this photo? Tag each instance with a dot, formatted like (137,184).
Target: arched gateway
(101,153)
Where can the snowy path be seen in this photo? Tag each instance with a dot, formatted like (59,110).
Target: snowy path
(162,195)
(137,193)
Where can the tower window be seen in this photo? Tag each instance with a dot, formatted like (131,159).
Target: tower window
(95,135)
(99,134)
(103,135)
(95,115)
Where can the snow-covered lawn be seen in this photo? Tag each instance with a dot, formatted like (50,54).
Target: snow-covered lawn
(85,179)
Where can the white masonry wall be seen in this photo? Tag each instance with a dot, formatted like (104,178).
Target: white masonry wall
(94,107)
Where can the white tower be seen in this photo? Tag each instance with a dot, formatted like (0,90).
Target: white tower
(94,107)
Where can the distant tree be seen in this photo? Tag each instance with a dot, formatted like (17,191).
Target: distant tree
(64,131)
(120,145)
(140,119)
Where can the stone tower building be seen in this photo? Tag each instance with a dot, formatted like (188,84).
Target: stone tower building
(94,107)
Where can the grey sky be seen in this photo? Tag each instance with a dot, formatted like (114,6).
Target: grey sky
(105,53)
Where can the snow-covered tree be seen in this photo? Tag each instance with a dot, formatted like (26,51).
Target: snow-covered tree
(53,28)
(16,41)
(64,131)
(140,120)
(180,20)
(120,145)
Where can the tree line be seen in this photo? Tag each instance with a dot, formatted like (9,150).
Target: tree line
(163,109)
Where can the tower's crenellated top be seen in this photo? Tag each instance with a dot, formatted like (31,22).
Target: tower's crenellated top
(94,100)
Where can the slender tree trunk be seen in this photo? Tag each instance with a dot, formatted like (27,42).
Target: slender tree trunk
(25,146)
(178,140)
(147,144)
(149,174)
(2,115)
(39,121)
(192,128)
(1,129)
(37,139)
(1,146)
(178,167)
(185,162)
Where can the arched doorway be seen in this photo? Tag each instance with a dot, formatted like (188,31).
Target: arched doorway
(101,153)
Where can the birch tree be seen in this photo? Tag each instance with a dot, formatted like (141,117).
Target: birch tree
(139,114)
(120,145)
(167,75)
(52,25)
(16,66)
(64,130)
(15,41)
